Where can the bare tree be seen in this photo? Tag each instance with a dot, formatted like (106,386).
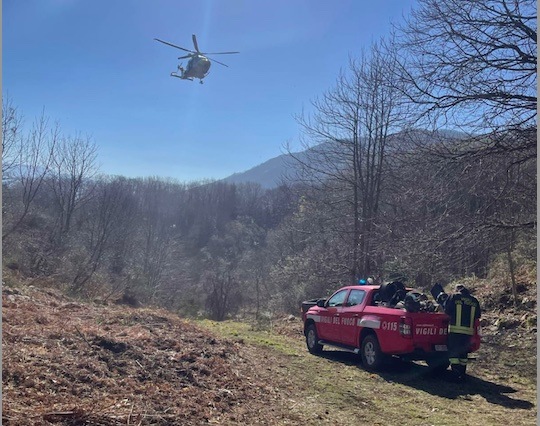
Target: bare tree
(155,251)
(222,259)
(346,145)
(11,136)
(108,220)
(73,167)
(449,219)
(30,166)
(471,65)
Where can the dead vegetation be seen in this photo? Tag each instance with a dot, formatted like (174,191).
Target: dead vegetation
(71,363)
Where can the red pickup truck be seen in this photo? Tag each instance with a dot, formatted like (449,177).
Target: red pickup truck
(356,319)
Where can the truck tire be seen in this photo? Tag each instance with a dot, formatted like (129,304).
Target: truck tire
(372,357)
(312,340)
(437,365)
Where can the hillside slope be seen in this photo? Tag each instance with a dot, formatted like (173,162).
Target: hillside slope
(269,174)
(72,363)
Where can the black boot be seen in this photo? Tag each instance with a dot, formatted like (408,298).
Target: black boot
(458,375)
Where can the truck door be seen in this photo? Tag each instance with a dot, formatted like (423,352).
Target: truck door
(329,325)
(350,315)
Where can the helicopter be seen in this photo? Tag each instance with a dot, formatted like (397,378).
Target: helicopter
(198,65)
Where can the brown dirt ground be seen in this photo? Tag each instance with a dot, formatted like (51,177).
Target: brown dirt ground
(71,363)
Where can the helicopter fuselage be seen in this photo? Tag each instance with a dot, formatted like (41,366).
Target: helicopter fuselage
(197,67)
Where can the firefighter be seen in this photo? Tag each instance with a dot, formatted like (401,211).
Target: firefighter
(464,310)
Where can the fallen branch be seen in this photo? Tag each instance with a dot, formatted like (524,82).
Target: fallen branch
(84,338)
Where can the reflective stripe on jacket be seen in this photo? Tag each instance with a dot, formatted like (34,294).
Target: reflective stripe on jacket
(463,310)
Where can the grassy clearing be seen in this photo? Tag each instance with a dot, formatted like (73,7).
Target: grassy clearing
(334,389)
(251,334)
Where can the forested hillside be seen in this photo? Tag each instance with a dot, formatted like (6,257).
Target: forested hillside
(421,165)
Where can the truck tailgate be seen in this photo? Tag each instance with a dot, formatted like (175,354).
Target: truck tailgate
(430,330)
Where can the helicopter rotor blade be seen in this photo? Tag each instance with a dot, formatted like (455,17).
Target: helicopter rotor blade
(218,53)
(220,63)
(195,44)
(174,45)
(184,57)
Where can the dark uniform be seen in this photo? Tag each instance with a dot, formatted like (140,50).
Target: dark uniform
(464,310)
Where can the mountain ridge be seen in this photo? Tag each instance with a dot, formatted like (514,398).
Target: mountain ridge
(273,172)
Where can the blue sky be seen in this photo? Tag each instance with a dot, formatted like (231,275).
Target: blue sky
(95,68)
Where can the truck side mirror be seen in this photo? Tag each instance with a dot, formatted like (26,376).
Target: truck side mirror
(321,302)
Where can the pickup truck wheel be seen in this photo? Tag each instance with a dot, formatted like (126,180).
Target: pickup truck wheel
(371,354)
(312,340)
(438,365)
